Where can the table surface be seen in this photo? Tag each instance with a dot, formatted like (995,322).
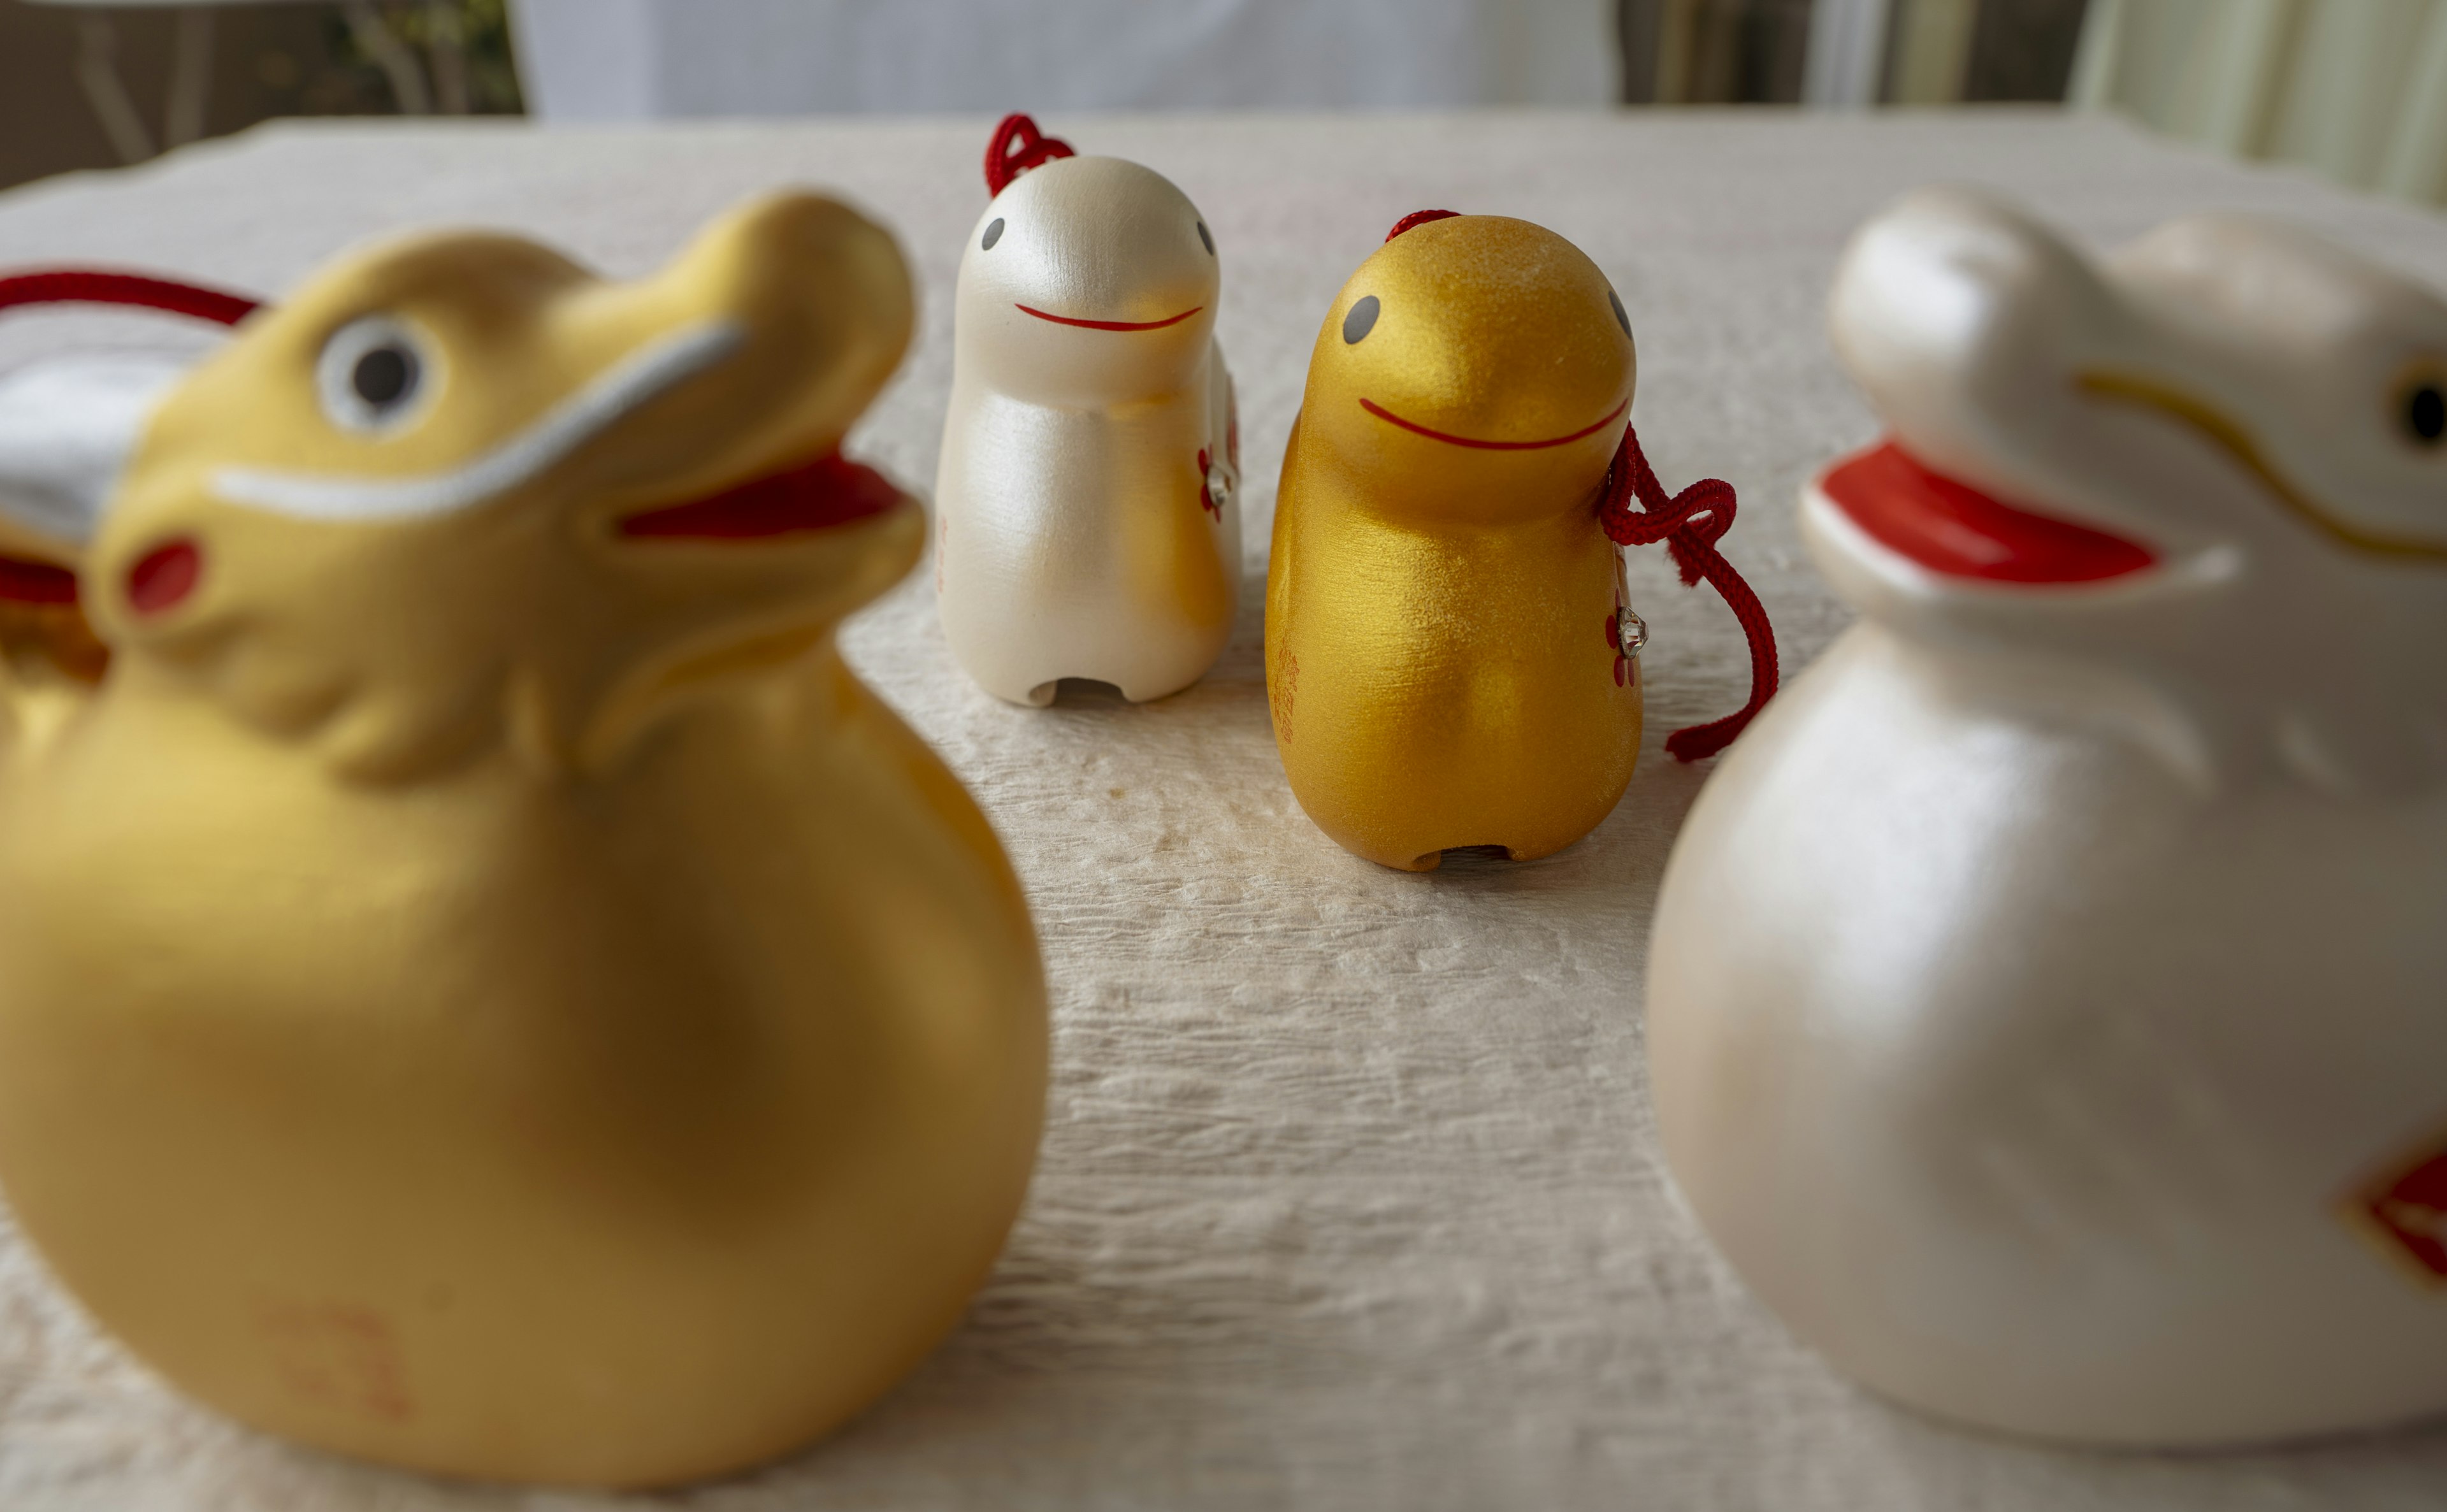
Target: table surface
(1349,1194)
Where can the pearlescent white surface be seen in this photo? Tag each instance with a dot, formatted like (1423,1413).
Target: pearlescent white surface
(1351,1196)
(2040,984)
(1078,527)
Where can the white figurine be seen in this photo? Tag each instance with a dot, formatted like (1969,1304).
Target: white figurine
(66,426)
(1086,524)
(2048,1000)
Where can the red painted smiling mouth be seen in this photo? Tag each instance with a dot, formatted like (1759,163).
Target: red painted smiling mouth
(1112,325)
(1416,429)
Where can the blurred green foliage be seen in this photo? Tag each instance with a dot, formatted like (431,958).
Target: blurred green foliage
(468,40)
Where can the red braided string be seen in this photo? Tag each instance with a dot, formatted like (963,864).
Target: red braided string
(1419,217)
(1690,525)
(1018,146)
(87,286)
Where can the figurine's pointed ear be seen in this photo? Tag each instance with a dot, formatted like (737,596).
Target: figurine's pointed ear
(67,427)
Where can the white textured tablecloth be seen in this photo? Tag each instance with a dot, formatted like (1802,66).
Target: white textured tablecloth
(1351,1195)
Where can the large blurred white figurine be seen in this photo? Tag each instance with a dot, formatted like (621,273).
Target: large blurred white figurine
(1084,512)
(2048,1003)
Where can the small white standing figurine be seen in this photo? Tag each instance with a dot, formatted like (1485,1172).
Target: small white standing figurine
(1086,525)
(2048,1002)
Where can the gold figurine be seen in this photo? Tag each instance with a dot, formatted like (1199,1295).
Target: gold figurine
(1441,653)
(482,986)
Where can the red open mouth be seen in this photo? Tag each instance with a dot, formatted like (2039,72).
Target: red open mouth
(1953,528)
(24,580)
(1110,325)
(814,495)
(1416,429)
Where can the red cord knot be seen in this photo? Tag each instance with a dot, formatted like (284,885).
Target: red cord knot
(1017,148)
(1420,218)
(1690,525)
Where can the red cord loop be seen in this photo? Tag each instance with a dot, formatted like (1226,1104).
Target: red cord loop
(87,286)
(1017,148)
(1690,525)
(1419,217)
(25,581)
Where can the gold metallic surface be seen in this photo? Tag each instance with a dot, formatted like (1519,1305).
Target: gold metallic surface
(485,992)
(1437,656)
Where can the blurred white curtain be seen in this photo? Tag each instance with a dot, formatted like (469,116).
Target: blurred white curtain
(1848,50)
(627,59)
(2356,89)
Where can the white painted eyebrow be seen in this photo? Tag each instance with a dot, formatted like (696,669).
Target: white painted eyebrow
(651,371)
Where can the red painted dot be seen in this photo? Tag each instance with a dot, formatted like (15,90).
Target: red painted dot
(164,575)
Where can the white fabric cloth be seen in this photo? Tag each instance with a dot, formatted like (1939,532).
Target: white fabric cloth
(1350,1196)
(637,59)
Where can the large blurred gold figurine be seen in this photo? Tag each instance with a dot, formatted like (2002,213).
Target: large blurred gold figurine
(1449,643)
(482,987)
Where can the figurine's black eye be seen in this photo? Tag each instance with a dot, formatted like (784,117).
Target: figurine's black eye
(384,376)
(376,373)
(1361,321)
(993,234)
(1204,236)
(1620,317)
(2425,414)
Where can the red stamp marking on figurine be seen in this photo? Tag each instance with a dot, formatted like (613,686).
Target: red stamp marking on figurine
(339,1354)
(1626,672)
(1205,491)
(1287,691)
(2404,1213)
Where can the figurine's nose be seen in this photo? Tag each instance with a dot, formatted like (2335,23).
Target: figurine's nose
(791,262)
(1950,284)
(822,308)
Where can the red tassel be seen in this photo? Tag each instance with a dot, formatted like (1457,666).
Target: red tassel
(1017,148)
(87,286)
(1690,525)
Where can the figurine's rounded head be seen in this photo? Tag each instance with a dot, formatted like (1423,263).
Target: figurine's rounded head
(2229,391)
(1087,281)
(2223,450)
(460,486)
(1475,367)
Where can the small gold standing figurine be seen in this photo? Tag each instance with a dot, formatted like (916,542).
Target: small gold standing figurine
(1451,649)
(482,987)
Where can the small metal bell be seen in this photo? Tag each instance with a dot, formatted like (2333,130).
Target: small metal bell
(1631,632)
